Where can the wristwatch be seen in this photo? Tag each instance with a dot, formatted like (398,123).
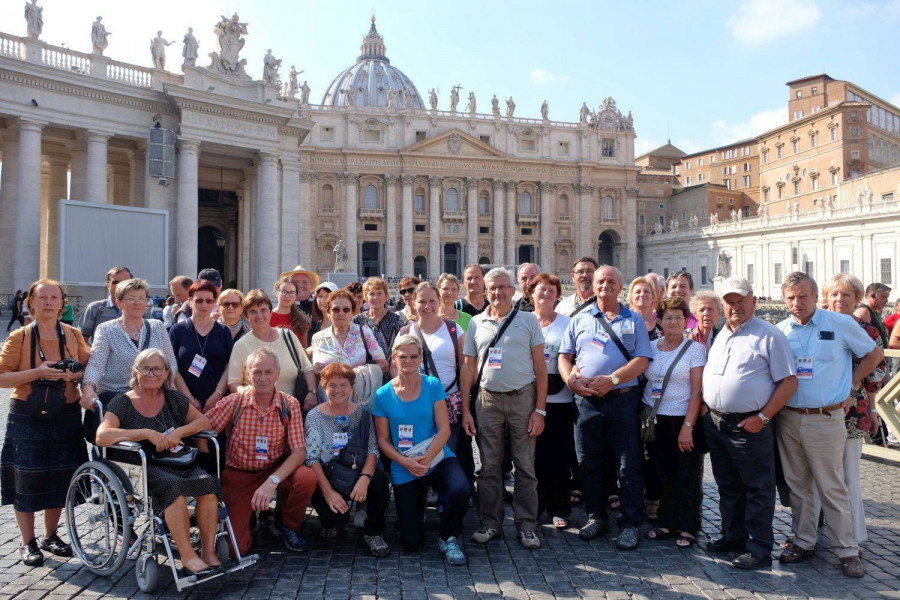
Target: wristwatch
(615,380)
(543,413)
(688,424)
(275,479)
(765,420)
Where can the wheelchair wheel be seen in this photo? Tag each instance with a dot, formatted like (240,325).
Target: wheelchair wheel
(146,572)
(222,549)
(98,518)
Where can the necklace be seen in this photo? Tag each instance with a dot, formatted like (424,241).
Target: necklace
(132,334)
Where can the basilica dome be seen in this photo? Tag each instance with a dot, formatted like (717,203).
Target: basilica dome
(373,81)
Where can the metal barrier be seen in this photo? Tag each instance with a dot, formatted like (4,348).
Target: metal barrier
(884,404)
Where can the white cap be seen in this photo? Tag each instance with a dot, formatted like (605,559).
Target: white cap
(737,285)
(326,285)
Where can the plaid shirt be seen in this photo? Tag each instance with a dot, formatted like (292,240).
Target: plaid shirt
(254,423)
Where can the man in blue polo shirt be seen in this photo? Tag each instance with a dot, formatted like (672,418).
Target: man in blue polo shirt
(811,432)
(596,368)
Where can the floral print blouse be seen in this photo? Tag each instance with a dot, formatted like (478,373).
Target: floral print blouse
(857,419)
(328,349)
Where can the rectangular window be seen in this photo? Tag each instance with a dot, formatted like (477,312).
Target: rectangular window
(728,184)
(796,146)
(834,134)
(765,196)
(751,272)
(699,162)
(780,151)
(704,276)
(527,231)
(712,159)
(765,157)
(327,134)
(777,274)
(854,173)
(815,183)
(845,266)
(687,166)
(687,180)
(889,197)
(483,208)
(564,148)
(371,135)
(746,167)
(526,145)
(854,130)
(795,257)
(796,187)
(420,136)
(799,94)
(420,228)
(746,181)
(808,268)
(699,177)
(814,90)
(608,150)
(420,204)
(813,140)
(854,154)
(834,178)
(642,220)
(484,230)
(746,150)
(798,114)
(370,226)
(886,271)
(725,170)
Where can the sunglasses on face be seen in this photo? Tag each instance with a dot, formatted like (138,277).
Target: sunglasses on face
(338,310)
(230,304)
(407,291)
(204,301)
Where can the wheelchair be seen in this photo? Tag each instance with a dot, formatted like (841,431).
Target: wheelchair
(110,518)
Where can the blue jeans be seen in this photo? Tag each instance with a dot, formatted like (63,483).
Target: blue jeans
(609,427)
(447,478)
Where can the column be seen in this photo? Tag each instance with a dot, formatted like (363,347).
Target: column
(351,211)
(268,229)
(472,219)
(511,189)
(406,226)
(290,212)
(59,169)
(629,267)
(546,259)
(8,198)
(78,168)
(307,235)
(434,227)
(96,179)
(245,198)
(390,226)
(137,167)
(27,232)
(497,208)
(585,213)
(186,214)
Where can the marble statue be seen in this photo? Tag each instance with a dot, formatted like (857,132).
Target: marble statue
(797,207)
(495,107)
(34,16)
(790,208)
(432,99)
(762,211)
(158,50)
(714,219)
(658,228)
(860,195)
(629,122)
(270,68)
(870,195)
(471,106)
(724,265)
(340,257)
(454,99)
(674,224)
(290,87)
(831,202)
(585,113)
(392,98)
(191,45)
(227,60)
(545,110)
(740,216)
(510,108)
(821,202)
(304,93)
(98,36)
(404,98)
(734,217)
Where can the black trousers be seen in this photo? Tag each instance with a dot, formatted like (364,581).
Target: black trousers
(376,504)
(744,468)
(447,478)
(680,477)
(553,453)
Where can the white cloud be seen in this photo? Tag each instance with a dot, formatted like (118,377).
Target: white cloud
(895,99)
(644,145)
(546,77)
(758,22)
(724,132)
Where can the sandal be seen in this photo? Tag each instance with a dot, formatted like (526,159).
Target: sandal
(656,534)
(560,522)
(575,497)
(614,503)
(685,540)
(651,509)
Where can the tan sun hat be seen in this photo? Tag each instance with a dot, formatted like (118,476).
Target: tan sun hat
(313,276)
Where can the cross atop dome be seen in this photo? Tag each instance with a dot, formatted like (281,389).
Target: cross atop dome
(373,45)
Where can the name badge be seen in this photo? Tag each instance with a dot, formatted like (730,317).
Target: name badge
(600,339)
(197,365)
(495,358)
(628,328)
(547,355)
(340,440)
(406,436)
(656,388)
(804,367)
(262,447)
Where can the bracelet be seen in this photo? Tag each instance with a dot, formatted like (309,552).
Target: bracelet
(366,475)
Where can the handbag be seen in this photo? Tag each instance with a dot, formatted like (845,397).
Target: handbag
(555,384)
(301,389)
(182,459)
(648,413)
(47,398)
(344,470)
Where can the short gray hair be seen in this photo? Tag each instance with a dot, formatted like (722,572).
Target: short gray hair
(405,340)
(703,295)
(796,278)
(259,354)
(496,273)
(526,264)
(142,357)
(613,269)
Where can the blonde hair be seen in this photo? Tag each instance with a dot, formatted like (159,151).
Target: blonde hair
(129,285)
(847,281)
(375,283)
(29,295)
(638,281)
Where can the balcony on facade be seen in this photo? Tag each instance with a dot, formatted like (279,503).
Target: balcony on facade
(528,219)
(453,215)
(371,214)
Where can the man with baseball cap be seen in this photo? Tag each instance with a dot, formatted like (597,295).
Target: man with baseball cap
(748,379)
(306,281)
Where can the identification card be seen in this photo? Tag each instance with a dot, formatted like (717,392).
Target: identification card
(628,328)
(600,339)
(177,448)
(197,365)
(495,358)
(406,437)
(262,447)
(656,388)
(340,440)
(547,354)
(804,367)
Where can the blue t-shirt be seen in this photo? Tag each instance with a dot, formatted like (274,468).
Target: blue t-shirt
(215,347)
(419,414)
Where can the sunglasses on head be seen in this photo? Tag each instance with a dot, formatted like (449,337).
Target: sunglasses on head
(338,310)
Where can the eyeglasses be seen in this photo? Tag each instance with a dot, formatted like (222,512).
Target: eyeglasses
(230,304)
(204,301)
(407,291)
(338,310)
(672,318)
(131,300)
(288,294)
(403,357)
(496,290)
(152,370)
(584,272)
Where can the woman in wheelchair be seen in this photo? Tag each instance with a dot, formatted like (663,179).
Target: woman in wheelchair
(43,445)
(158,417)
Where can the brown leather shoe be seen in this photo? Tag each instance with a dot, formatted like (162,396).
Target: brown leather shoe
(851,566)
(794,554)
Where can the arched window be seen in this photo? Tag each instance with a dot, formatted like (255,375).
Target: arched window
(563,205)
(525,204)
(484,260)
(420,266)
(608,209)
(370,198)
(484,208)
(452,201)
(327,196)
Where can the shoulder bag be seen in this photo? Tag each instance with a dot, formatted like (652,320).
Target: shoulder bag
(454,402)
(648,413)
(300,387)
(48,396)
(343,470)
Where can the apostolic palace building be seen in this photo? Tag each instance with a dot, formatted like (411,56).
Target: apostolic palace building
(209,167)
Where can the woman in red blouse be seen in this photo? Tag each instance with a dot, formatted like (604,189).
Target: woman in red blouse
(286,313)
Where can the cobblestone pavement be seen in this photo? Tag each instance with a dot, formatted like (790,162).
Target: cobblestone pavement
(564,566)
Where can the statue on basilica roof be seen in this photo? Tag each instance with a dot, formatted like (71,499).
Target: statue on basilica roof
(454,98)
(158,50)
(191,45)
(585,113)
(270,68)
(545,110)
(227,60)
(291,86)
(98,36)
(510,108)
(495,107)
(432,99)
(34,16)
(471,106)
(304,93)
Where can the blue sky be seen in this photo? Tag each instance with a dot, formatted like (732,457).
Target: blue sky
(701,72)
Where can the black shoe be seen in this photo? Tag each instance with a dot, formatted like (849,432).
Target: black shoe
(56,546)
(31,554)
(751,562)
(724,544)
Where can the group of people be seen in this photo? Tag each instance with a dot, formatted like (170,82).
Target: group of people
(326,396)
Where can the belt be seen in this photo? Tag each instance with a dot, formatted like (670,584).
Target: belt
(732,415)
(510,393)
(825,410)
(614,393)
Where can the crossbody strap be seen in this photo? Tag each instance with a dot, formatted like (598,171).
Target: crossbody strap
(494,341)
(668,375)
(583,306)
(291,349)
(612,335)
(146,343)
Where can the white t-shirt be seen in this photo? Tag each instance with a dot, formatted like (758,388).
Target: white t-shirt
(441,346)
(678,391)
(553,336)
